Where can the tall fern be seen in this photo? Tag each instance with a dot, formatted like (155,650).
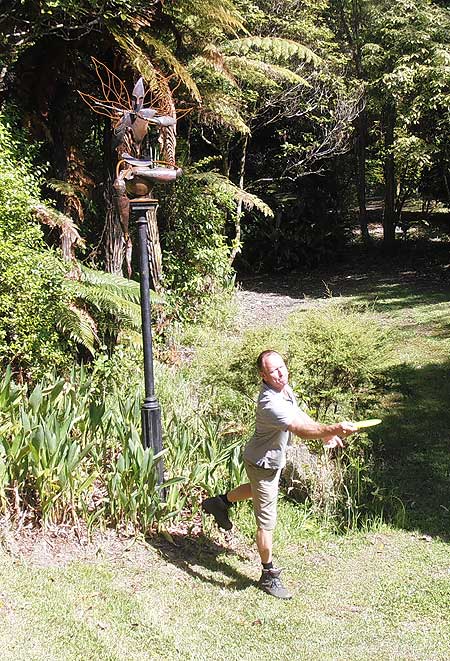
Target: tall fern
(252,62)
(100,299)
(220,183)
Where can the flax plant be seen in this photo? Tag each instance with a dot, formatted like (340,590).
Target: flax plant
(70,450)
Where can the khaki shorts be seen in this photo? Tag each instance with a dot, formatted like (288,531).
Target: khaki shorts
(264,483)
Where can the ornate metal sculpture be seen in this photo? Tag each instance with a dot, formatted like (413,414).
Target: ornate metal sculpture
(135,123)
(134,175)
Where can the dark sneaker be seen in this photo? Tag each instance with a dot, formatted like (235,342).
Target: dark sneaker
(270,582)
(219,510)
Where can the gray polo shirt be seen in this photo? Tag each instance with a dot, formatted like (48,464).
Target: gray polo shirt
(274,412)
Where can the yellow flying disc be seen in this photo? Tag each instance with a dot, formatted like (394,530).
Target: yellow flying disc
(362,424)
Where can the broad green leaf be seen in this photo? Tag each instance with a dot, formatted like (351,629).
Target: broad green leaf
(35,398)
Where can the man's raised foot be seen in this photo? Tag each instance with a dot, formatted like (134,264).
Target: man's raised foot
(218,508)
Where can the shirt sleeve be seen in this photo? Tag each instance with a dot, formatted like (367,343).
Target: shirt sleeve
(278,413)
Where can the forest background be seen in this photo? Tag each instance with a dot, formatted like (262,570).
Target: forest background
(299,123)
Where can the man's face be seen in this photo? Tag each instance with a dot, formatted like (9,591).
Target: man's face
(274,371)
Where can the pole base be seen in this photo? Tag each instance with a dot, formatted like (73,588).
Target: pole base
(152,432)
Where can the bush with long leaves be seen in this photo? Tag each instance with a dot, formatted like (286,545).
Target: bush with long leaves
(69,452)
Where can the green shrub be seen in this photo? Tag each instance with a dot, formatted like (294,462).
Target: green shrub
(19,191)
(31,300)
(195,252)
(335,355)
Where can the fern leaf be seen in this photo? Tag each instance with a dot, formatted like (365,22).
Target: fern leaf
(50,216)
(64,187)
(127,289)
(77,324)
(214,58)
(139,60)
(219,182)
(276,47)
(242,67)
(163,53)
(220,13)
(222,109)
(107,302)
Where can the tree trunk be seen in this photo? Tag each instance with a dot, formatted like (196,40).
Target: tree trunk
(225,154)
(114,240)
(351,27)
(113,237)
(237,222)
(389,178)
(361,173)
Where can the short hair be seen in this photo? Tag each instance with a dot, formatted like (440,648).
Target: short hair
(262,356)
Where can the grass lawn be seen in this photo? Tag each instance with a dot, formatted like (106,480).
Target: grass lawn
(379,595)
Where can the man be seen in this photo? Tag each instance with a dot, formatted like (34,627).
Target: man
(277,416)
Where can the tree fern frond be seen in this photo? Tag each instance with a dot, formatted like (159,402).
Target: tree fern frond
(64,187)
(214,74)
(53,218)
(222,109)
(220,13)
(212,57)
(243,67)
(77,324)
(128,290)
(139,60)
(163,53)
(219,182)
(108,302)
(279,49)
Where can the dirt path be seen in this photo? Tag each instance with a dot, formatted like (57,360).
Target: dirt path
(362,275)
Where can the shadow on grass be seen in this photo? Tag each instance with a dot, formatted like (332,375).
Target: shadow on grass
(414,445)
(200,558)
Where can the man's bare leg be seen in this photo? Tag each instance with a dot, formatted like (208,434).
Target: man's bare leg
(242,492)
(264,539)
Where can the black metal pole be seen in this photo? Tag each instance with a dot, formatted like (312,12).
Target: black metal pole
(151,411)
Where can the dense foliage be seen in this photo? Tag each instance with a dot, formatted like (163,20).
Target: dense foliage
(70,448)
(196,254)
(31,276)
(277,97)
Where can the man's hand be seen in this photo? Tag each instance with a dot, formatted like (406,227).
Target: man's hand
(346,428)
(332,442)
(341,429)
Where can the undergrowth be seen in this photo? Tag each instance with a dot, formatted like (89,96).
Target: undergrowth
(70,447)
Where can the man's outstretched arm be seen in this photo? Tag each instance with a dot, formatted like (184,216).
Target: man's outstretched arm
(305,427)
